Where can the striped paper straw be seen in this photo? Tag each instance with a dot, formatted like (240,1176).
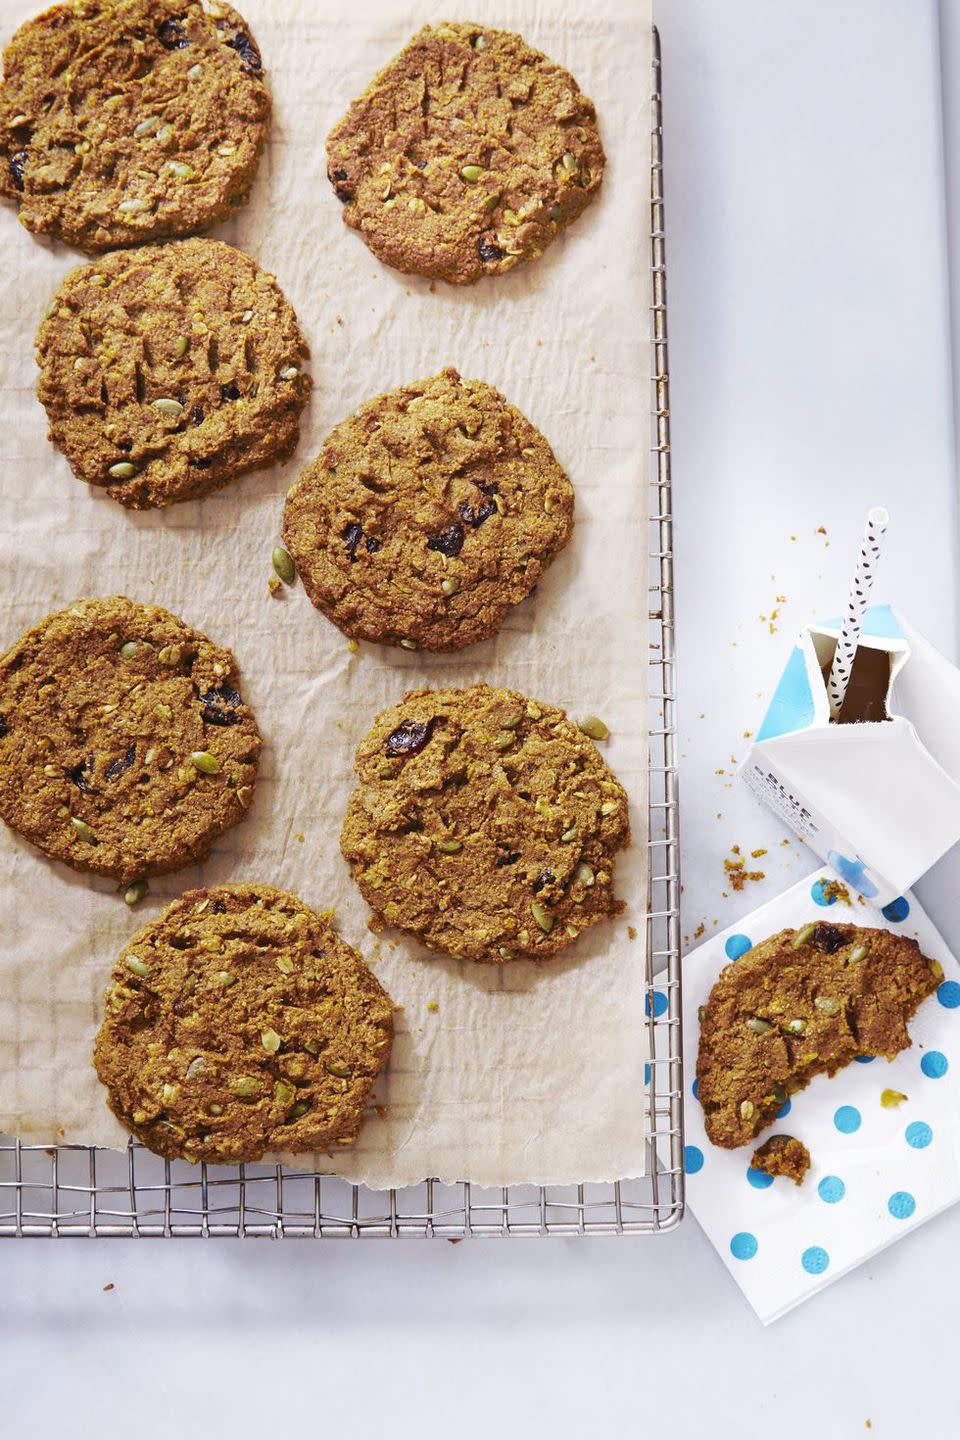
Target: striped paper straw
(864,576)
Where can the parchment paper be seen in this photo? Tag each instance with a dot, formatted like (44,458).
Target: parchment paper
(520,1073)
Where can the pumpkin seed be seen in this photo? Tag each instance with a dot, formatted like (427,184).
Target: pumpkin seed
(338,1068)
(169,655)
(802,936)
(608,807)
(796,1027)
(568,163)
(206,763)
(583,874)
(244,1086)
(513,722)
(168,407)
(828,1006)
(779,1094)
(163,134)
(408,644)
(746,1109)
(226,978)
(195,1066)
(152,122)
(504,740)
(83,830)
(595,728)
(283,564)
(138,966)
(450,586)
(758,1026)
(284,1092)
(289,372)
(542,916)
(859,952)
(180,168)
(472,173)
(228,148)
(129,650)
(271,1041)
(182,346)
(123,470)
(449,847)
(133,207)
(890,1099)
(301,1108)
(701,1013)
(171,1094)
(568,835)
(134,893)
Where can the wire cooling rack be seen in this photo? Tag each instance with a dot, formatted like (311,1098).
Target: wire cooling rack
(85,1191)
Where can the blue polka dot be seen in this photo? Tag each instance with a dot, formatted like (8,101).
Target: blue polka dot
(823,892)
(815,1260)
(743,1246)
(695,1087)
(692,1159)
(785,1109)
(864,1059)
(901,1205)
(831,1189)
(934,1064)
(646,1074)
(918,1134)
(949,994)
(847,1119)
(759,1179)
(659,1004)
(898,909)
(737,945)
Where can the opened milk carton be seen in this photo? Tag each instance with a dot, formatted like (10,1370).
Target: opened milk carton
(876,794)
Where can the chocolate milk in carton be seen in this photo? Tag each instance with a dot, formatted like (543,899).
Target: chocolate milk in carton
(877,794)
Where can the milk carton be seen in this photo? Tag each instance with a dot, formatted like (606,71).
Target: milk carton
(877,795)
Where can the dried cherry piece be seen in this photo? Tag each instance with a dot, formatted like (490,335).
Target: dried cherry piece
(77,774)
(339,179)
(17,162)
(4,727)
(483,511)
(511,858)
(247,50)
(487,251)
(373,544)
(218,907)
(172,35)
(220,705)
(546,877)
(197,415)
(828,939)
(352,534)
(230,391)
(409,738)
(448,541)
(117,767)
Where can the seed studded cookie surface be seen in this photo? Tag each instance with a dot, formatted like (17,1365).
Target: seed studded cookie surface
(468,154)
(169,370)
(428,514)
(240,1022)
(122,121)
(125,745)
(803,1003)
(485,823)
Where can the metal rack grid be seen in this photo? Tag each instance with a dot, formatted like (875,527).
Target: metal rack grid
(85,1191)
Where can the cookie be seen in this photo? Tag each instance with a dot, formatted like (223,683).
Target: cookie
(484,823)
(238,1022)
(125,746)
(126,121)
(467,155)
(803,1003)
(427,515)
(167,371)
(782,1155)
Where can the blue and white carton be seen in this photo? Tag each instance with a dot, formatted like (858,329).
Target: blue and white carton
(879,801)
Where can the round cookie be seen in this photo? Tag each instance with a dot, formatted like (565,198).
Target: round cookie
(128,121)
(484,823)
(169,370)
(239,1022)
(468,154)
(427,515)
(125,746)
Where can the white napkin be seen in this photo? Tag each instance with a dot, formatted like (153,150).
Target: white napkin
(876,1173)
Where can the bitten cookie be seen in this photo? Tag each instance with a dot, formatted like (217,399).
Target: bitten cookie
(428,514)
(484,823)
(240,1022)
(803,1003)
(125,745)
(126,121)
(168,371)
(468,154)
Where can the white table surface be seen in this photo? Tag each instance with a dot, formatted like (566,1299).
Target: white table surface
(811,378)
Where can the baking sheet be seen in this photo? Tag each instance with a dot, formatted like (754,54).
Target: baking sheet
(498,1075)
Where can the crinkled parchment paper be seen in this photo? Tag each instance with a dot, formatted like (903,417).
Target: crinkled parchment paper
(513,1073)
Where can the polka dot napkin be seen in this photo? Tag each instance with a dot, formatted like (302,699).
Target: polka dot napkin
(877,1170)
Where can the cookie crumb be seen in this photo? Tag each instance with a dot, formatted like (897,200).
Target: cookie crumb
(736,870)
(433,1006)
(632,932)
